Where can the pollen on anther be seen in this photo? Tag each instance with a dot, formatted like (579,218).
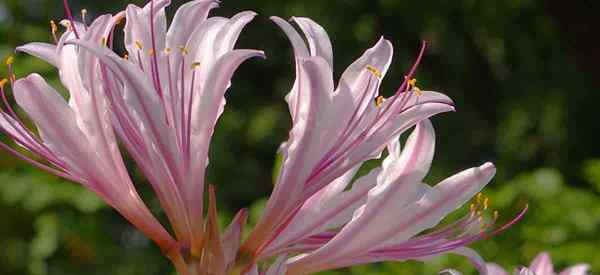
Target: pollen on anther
(167,50)
(195,65)
(486,203)
(3,83)
(103,41)
(412,82)
(53,26)
(139,45)
(183,50)
(10,60)
(374,71)
(379,100)
(496,215)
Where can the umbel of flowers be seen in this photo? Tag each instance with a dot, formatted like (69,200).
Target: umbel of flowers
(162,101)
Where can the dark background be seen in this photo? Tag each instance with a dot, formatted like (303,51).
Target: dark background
(523,74)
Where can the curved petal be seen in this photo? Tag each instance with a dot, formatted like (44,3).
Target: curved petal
(56,122)
(44,51)
(494,269)
(318,39)
(229,35)
(357,237)
(580,269)
(542,264)
(300,50)
(187,18)
(474,258)
(379,56)
(525,271)
(232,236)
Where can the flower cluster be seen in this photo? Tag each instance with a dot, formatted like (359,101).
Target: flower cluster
(162,101)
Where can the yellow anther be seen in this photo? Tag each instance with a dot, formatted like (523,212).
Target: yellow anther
(472,207)
(10,60)
(412,82)
(379,100)
(496,215)
(103,41)
(486,203)
(83,14)
(374,71)
(3,83)
(195,65)
(479,198)
(479,213)
(13,77)
(53,26)
(138,45)
(167,50)
(183,50)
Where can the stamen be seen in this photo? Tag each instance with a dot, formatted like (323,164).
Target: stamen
(412,82)
(54,29)
(151,52)
(379,100)
(183,50)
(70,17)
(486,203)
(138,45)
(3,83)
(103,41)
(126,57)
(195,65)
(10,60)
(83,14)
(479,198)
(496,215)
(167,50)
(374,71)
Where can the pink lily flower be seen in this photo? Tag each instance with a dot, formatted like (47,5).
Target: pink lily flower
(165,98)
(76,140)
(541,265)
(335,130)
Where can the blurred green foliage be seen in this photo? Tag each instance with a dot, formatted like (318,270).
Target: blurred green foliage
(520,72)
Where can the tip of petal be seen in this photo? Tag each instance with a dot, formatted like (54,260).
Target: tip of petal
(488,169)
(261,54)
